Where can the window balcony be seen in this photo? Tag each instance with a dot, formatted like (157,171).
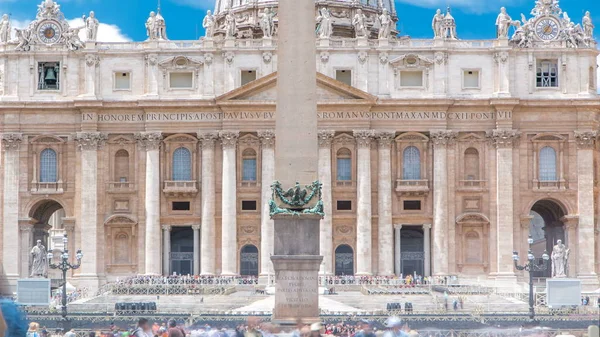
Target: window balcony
(121,187)
(412,187)
(472,185)
(248,183)
(180,187)
(344,183)
(47,188)
(549,185)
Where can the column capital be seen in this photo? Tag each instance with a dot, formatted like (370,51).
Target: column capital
(208,139)
(325,138)
(152,59)
(385,138)
(229,138)
(26,228)
(90,141)
(397,226)
(92,60)
(427,226)
(526,220)
(149,140)
(504,138)
(586,139)
(196,227)
(11,141)
(267,138)
(364,137)
(570,221)
(443,137)
(166,228)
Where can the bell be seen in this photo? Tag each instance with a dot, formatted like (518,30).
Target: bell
(50,75)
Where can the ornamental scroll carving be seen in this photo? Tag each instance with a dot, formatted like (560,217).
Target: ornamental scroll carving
(11,141)
(325,138)
(504,138)
(267,138)
(90,141)
(586,139)
(443,138)
(149,141)
(229,138)
(385,138)
(208,139)
(364,137)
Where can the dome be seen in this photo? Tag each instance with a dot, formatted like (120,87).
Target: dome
(247,15)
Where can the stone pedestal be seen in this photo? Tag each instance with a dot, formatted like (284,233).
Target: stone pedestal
(296,263)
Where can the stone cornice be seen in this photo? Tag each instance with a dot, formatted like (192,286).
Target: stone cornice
(11,141)
(90,141)
(149,141)
(504,138)
(229,138)
(267,138)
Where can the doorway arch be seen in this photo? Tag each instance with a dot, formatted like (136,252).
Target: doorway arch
(249,261)
(46,221)
(545,228)
(344,260)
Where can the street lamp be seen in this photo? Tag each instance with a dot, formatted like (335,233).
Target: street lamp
(64,265)
(531,266)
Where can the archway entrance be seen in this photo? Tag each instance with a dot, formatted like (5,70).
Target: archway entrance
(344,260)
(412,251)
(249,261)
(47,219)
(546,228)
(182,250)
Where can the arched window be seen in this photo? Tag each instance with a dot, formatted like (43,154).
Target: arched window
(249,165)
(471,164)
(122,166)
(344,165)
(48,166)
(411,160)
(547,164)
(182,165)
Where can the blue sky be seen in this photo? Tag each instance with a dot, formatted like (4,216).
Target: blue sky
(124,19)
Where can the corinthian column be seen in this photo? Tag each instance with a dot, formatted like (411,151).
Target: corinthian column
(89,143)
(585,204)
(166,249)
(229,204)
(11,143)
(385,227)
(267,139)
(326,235)
(363,209)
(440,140)
(504,140)
(150,141)
(207,257)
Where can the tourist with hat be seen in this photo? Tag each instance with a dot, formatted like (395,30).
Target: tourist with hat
(394,328)
(366,329)
(316,329)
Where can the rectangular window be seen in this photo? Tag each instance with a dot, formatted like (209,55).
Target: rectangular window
(411,78)
(471,79)
(181,80)
(181,206)
(344,76)
(248,76)
(122,81)
(412,205)
(344,205)
(248,205)
(48,76)
(547,74)
(249,169)
(344,169)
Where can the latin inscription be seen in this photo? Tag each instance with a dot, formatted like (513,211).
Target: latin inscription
(153,117)
(298,291)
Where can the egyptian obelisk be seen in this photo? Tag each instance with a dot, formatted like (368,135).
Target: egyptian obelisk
(296,257)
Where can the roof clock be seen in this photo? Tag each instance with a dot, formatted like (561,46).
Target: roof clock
(49,31)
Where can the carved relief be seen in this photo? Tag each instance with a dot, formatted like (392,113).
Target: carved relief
(504,138)
(325,138)
(229,138)
(364,137)
(90,141)
(149,141)
(11,141)
(586,139)
(443,138)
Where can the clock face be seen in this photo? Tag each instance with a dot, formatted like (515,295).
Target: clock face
(547,29)
(49,32)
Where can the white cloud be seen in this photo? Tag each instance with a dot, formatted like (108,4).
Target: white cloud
(106,32)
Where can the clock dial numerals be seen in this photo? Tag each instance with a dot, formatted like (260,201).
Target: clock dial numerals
(49,32)
(547,29)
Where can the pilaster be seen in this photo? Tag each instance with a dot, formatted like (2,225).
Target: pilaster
(166,229)
(326,235)
(384,204)
(267,140)
(363,209)
(208,236)
(229,204)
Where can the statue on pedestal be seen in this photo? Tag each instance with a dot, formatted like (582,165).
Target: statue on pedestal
(588,26)
(267,24)
(91,25)
(436,24)
(560,256)
(324,24)
(230,26)
(360,25)
(385,22)
(39,261)
(209,25)
(503,23)
(151,26)
(5,29)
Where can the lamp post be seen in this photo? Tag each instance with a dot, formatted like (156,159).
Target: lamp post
(64,265)
(531,266)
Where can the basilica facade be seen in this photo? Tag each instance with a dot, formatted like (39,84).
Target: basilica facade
(437,156)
